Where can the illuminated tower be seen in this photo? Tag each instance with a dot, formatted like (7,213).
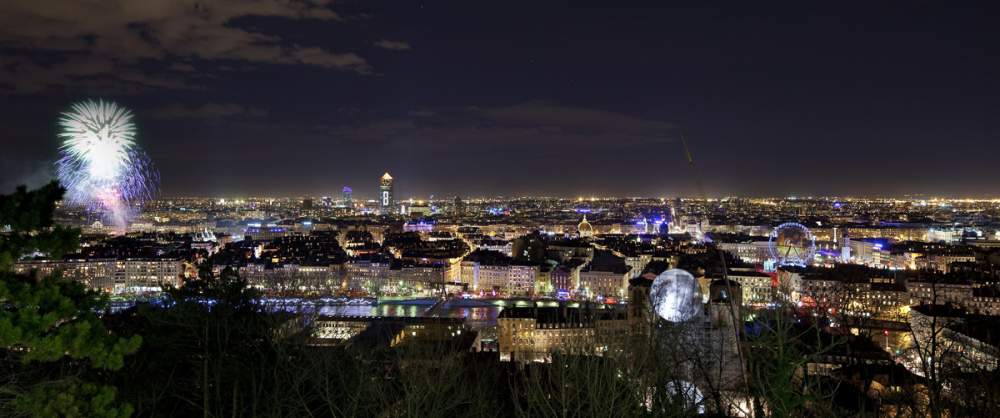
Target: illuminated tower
(385,199)
(348,201)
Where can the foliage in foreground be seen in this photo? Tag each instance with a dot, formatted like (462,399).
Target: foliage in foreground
(57,348)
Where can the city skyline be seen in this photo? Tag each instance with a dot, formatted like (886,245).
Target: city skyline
(351,208)
(302,98)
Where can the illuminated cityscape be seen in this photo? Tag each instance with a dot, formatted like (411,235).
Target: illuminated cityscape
(361,209)
(531,277)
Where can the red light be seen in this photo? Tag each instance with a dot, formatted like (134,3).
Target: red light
(885,332)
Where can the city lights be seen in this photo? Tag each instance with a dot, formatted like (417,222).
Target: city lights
(384,209)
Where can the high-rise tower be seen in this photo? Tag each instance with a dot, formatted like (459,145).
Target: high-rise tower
(346,197)
(385,198)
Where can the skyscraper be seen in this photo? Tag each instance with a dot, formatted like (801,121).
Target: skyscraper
(346,197)
(386,200)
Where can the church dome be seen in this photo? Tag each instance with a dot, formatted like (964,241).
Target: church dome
(584,228)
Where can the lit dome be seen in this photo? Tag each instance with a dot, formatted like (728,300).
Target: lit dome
(676,296)
(584,228)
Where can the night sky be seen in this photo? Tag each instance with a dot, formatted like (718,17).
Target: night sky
(518,98)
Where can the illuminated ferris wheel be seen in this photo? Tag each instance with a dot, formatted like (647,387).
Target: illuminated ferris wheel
(792,244)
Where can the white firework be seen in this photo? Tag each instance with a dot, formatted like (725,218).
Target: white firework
(100,135)
(101,165)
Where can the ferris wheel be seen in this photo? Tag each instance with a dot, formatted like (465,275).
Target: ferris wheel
(792,244)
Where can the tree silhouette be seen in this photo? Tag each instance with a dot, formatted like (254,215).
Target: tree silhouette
(56,350)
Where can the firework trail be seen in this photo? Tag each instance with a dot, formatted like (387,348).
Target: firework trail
(100,164)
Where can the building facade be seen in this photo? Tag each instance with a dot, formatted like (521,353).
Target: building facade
(116,276)
(534,334)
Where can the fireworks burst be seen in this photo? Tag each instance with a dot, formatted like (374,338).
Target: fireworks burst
(100,164)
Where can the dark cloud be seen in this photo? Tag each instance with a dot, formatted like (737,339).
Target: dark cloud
(530,147)
(393,45)
(83,72)
(110,40)
(205,111)
(180,66)
(533,125)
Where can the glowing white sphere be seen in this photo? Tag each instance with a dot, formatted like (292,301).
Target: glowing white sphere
(676,296)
